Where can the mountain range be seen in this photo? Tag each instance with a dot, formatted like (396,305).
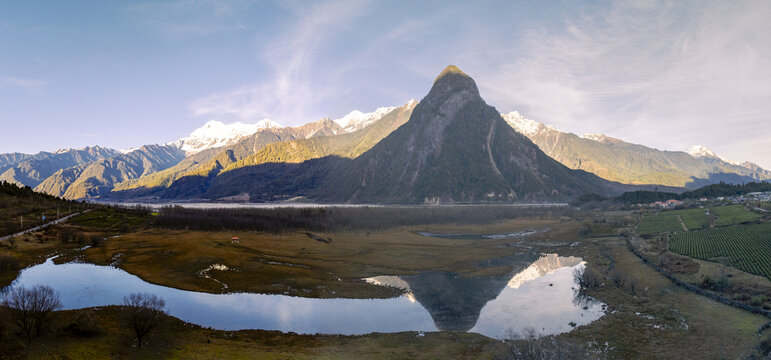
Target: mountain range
(449,147)
(620,161)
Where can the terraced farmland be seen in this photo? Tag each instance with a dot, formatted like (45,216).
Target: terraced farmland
(733,214)
(745,247)
(655,223)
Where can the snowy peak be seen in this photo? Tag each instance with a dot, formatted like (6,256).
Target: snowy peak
(357,120)
(217,134)
(545,265)
(525,126)
(698,151)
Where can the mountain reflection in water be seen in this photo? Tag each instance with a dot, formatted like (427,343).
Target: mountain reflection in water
(539,295)
(542,296)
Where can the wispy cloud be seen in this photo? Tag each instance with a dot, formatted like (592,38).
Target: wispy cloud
(184,18)
(669,74)
(298,81)
(26,84)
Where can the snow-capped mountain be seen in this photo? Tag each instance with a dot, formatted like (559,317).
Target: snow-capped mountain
(617,160)
(698,151)
(525,126)
(357,120)
(217,134)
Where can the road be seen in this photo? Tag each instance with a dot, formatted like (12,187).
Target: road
(36,228)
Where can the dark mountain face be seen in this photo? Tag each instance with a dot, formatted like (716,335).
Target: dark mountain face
(456,148)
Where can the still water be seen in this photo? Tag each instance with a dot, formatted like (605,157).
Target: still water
(540,296)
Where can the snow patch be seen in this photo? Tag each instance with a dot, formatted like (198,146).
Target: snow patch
(699,151)
(216,134)
(525,126)
(595,137)
(357,120)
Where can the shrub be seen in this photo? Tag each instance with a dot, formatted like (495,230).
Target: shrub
(8,262)
(85,324)
(97,241)
(618,277)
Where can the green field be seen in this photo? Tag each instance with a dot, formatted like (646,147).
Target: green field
(694,219)
(733,214)
(656,223)
(746,247)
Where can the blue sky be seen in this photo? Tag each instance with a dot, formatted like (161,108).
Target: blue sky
(121,74)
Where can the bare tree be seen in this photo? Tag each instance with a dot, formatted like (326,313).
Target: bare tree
(619,277)
(30,308)
(145,312)
(529,345)
(587,278)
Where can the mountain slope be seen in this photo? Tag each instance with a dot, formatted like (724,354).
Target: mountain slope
(456,148)
(99,177)
(34,170)
(349,145)
(617,160)
(258,174)
(10,159)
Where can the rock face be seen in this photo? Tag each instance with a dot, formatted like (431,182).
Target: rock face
(455,148)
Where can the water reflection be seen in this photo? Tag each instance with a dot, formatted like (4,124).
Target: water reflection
(538,295)
(542,296)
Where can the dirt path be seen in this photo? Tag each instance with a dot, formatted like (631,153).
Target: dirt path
(682,223)
(36,228)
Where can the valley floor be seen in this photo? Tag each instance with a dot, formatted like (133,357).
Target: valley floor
(647,316)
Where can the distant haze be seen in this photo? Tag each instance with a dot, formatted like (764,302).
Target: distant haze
(664,74)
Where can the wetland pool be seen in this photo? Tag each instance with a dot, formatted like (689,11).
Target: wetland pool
(540,296)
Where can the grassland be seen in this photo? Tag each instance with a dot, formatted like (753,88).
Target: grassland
(174,339)
(295,264)
(733,214)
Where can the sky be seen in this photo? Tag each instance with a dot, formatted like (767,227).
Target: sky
(121,74)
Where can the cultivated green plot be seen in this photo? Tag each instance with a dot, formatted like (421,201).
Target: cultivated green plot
(745,247)
(657,223)
(694,219)
(733,214)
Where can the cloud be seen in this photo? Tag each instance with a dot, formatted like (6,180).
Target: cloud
(189,17)
(297,81)
(668,74)
(26,84)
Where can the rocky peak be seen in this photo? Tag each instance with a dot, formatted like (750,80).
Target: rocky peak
(452,80)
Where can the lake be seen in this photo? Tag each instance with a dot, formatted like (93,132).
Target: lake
(541,296)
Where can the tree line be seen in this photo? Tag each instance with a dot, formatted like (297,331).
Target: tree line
(709,191)
(330,219)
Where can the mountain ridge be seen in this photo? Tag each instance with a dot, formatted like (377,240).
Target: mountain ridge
(617,160)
